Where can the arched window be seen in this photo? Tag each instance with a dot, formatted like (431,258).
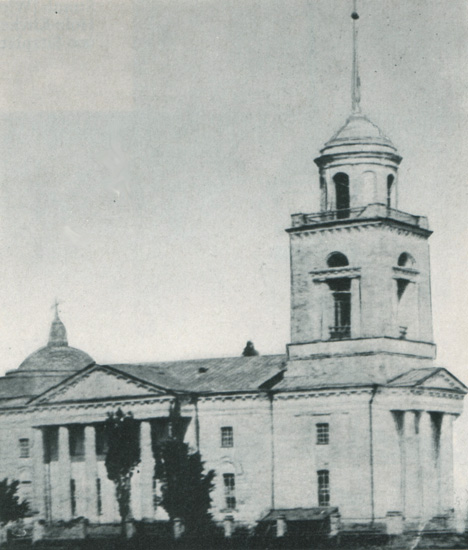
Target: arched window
(390,180)
(342,194)
(406,260)
(337,259)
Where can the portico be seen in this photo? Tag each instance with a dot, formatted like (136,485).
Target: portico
(71,477)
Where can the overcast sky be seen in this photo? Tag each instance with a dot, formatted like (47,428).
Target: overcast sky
(152,151)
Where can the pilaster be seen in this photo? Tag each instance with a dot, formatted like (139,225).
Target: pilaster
(355,307)
(318,289)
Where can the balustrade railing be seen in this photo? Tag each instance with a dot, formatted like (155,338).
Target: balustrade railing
(376,210)
(340,332)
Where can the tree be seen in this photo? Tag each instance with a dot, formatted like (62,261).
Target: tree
(185,487)
(122,433)
(11,508)
(249,350)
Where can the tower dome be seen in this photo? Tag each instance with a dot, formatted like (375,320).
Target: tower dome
(359,130)
(359,137)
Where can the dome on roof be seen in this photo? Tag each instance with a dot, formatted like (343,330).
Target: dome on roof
(57,357)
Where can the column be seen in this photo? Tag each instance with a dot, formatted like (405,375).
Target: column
(412,485)
(429,490)
(91,473)
(38,476)
(446,464)
(355,308)
(146,471)
(63,482)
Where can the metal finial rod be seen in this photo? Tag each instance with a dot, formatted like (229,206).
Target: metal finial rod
(356,82)
(55,307)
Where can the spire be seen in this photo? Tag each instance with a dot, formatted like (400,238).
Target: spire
(58,332)
(356,82)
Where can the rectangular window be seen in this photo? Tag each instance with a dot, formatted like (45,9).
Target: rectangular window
(323,483)
(227,436)
(323,433)
(230,490)
(73,497)
(99,497)
(24,447)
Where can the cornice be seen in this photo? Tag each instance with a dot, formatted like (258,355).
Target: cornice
(419,391)
(348,225)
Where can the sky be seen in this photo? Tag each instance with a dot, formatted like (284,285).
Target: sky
(152,152)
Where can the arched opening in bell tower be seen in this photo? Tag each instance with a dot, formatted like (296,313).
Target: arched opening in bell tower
(341,181)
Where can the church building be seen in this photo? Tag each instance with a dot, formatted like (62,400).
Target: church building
(354,421)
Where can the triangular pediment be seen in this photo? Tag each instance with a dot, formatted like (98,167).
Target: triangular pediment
(442,379)
(95,384)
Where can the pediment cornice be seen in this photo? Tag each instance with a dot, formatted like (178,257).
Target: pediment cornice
(97,384)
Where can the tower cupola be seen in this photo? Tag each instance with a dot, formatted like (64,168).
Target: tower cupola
(358,166)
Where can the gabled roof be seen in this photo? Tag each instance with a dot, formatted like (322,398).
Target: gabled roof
(348,372)
(222,375)
(438,378)
(219,376)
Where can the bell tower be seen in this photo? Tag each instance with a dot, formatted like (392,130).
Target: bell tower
(360,276)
